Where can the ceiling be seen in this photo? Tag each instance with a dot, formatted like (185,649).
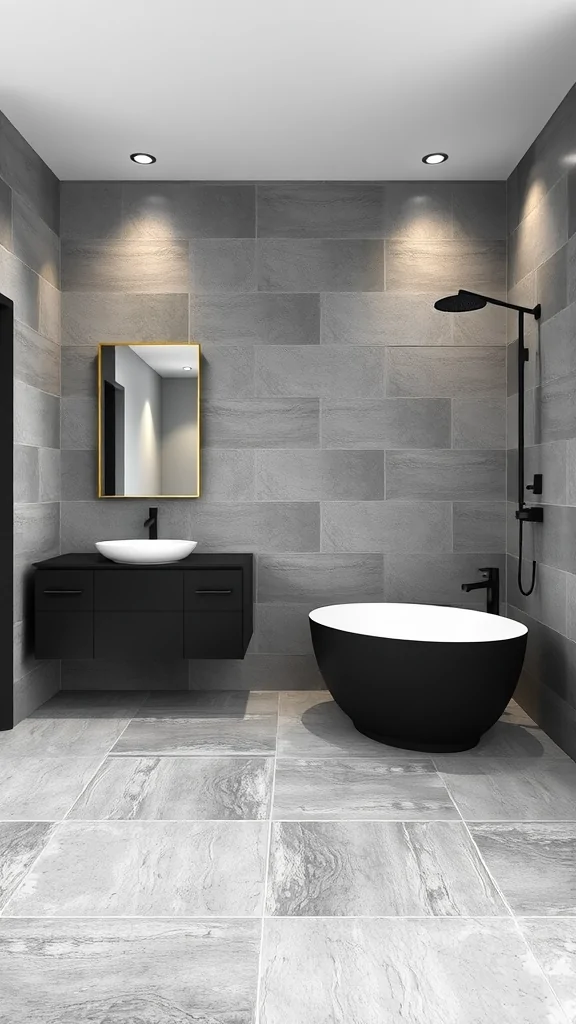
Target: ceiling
(292,90)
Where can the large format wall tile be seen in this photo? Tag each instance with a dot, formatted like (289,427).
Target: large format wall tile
(90,209)
(411,526)
(36,416)
(227,371)
(125,266)
(364,970)
(478,423)
(89,318)
(263,526)
(321,211)
(223,265)
(446,475)
(5,215)
(479,525)
(21,285)
(377,869)
(319,578)
(445,266)
(161,971)
(437,579)
(33,241)
(456,372)
(276,422)
(385,423)
(282,629)
(36,359)
(321,266)
(184,209)
(147,869)
(419,210)
(36,530)
(479,209)
(26,173)
(260,319)
(325,475)
(371,318)
(324,371)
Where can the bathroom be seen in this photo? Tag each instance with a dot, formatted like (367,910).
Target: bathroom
(191,826)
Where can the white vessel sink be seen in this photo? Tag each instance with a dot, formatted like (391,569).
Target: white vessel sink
(146,552)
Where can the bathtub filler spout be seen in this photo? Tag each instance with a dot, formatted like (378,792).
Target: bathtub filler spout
(491,584)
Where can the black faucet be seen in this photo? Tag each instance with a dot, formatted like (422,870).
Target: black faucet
(152,524)
(491,584)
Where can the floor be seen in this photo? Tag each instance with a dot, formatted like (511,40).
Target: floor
(226,858)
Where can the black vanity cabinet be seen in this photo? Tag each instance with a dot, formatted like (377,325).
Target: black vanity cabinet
(88,607)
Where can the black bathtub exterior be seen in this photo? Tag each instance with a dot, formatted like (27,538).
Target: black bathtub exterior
(420,695)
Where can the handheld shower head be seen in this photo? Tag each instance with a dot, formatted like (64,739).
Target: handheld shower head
(463,302)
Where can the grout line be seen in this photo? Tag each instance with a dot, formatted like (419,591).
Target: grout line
(267,868)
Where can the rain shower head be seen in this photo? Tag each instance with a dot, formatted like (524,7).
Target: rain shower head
(463,302)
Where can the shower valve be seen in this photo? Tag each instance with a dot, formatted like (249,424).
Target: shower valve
(530,515)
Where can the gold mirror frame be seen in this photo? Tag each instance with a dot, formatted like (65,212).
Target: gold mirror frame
(118,344)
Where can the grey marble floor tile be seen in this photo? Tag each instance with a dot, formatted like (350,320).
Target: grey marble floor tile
(20,844)
(177,788)
(310,724)
(356,787)
(533,863)
(401,972)
(93,704)
(235,704)
(214,735)
(514,739)
(486,789)
(129,972)
(377,869)
(69,736)
(554,946)
(42,788)
(148,869)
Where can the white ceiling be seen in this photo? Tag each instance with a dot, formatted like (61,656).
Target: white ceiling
(299,89)
(170,360)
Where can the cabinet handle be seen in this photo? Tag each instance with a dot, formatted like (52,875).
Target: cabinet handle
(58,593)
(214,591)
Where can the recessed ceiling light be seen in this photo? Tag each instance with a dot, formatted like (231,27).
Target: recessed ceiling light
(187,368)
(142,158)
(435,158)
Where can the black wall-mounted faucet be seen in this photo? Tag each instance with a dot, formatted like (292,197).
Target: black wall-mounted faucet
(152,523)
(491,584)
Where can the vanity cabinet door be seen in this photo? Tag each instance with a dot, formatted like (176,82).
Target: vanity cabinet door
(133,590)
(63,635)
(213,635)
(215,590)
(63,590)
(138,635)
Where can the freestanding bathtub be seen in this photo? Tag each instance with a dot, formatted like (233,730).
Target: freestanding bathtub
(418,676)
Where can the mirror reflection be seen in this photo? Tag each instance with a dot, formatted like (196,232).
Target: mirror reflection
(149,420)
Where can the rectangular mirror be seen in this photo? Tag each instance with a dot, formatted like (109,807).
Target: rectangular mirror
(148,420)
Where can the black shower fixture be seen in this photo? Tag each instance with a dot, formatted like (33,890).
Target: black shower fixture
(464,302)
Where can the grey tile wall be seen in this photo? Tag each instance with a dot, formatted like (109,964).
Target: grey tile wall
(30,276)
(347,424)
(541,242)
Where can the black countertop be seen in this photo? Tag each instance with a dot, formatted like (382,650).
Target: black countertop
(193,561)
